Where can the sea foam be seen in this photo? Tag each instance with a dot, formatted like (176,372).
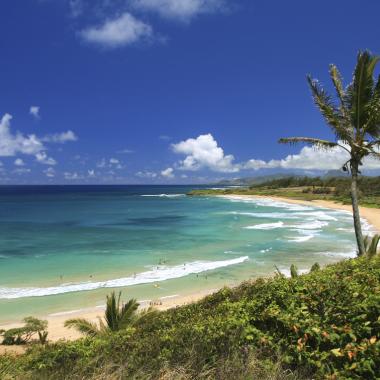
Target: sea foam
(161,273)
(266,226)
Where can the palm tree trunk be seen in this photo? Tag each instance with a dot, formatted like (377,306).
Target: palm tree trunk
(355,208)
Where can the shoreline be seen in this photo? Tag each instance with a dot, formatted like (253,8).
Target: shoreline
(372,215)
(56,328)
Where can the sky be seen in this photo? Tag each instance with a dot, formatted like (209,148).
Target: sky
(170,91)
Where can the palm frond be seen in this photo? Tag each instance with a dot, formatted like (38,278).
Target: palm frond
(83,325)
(375,155)
(361,90)
(370,245)
(323,144)
(293,271)
(111,314)
(338,84)
(128,312)
(377,86)
(335,118)
(372,126)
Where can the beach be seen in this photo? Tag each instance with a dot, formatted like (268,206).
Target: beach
(56,321)
(57,330)
(372,215)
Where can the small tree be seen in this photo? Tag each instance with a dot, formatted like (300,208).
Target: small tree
(117,316)
(22,335)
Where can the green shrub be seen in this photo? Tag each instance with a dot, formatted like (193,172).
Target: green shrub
(22,335)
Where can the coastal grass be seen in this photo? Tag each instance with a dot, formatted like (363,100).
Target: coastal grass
(323,325)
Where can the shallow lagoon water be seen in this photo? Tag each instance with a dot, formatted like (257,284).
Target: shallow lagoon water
(64,248)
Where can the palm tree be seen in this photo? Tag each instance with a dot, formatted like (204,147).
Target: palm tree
(117,316)
(355,121)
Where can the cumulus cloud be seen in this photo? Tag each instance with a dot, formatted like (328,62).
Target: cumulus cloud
(114,161)
(121,31)
(35,111)
(71,176)
(310,158)
(49,172)
(168,173)
(204,152)
(43,158)
(146,174)
(21,171)
(19,162)
(110,163)
(61,138)
(12,144)
(182,10)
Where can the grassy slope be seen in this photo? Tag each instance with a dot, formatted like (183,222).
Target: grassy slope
(325,324)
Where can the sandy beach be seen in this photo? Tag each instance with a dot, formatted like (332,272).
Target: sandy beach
(56,321)
(58,331)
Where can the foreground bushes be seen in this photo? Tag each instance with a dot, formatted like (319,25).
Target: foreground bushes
(322,325)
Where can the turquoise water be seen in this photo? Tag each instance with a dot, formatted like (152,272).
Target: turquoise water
(64,248)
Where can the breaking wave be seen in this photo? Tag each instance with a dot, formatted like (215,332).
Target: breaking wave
(161,273)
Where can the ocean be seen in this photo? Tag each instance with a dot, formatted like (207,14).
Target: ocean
(64,248)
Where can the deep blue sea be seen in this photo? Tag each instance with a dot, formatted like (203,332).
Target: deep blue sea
(65,247)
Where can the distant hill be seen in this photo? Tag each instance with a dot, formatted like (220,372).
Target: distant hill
(249,181)
(336,173)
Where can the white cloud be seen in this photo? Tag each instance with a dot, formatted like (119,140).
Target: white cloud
(19,162)
(21,171)
(60,138)
(182,10)
(167,173)
(110,163)
(12,144)
(91,173)
(43,158)
(71,176)
(146,174)
(101,164)
(49,172)
(121,31)
(125,151)
(204,152)
(35,111)
(310,158)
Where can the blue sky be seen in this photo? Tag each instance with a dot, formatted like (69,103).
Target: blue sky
(169,91)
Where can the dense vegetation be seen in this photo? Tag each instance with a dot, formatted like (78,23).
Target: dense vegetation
(322,325)
(309,188)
